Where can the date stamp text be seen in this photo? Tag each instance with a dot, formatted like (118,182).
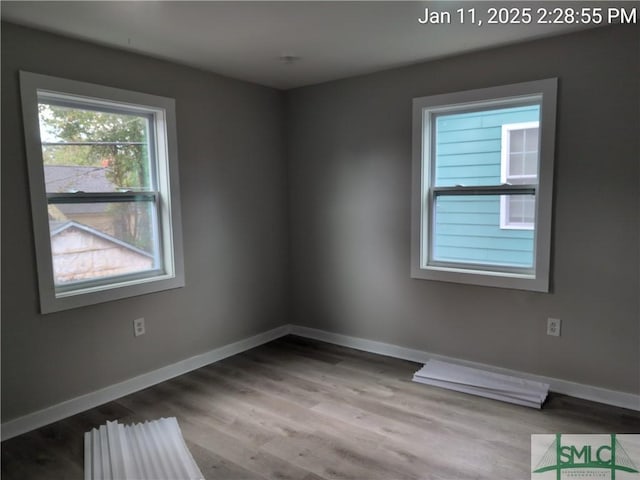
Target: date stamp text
(531,15)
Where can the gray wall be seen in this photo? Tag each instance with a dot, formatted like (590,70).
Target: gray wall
(349,175)
(232,180)
(336,250)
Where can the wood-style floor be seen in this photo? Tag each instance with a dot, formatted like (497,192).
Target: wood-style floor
(305,410)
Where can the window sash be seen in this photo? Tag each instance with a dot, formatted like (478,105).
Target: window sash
(125,196)
(115,197)
(102,197)
(73,287)
(104,106)
(89,143)
(81,102)
(504,191)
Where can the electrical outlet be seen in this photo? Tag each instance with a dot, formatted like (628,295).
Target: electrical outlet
(553,327)
(138,327)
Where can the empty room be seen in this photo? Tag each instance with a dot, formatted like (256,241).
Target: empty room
(315,240)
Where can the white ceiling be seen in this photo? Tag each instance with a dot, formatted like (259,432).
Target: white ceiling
(245,40)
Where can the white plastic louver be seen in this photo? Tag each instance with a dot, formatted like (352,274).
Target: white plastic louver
(152,450)
(485,384)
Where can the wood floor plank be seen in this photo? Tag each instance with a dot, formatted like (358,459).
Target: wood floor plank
(256,460)
(306,410)
(332,457)
(213,465)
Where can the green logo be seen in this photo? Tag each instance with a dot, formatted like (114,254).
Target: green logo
(584,456)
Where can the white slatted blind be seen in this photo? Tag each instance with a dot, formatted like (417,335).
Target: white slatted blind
(152,450)
(485,384)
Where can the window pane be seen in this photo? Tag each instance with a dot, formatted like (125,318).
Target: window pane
(521,211)
(90,151)
(531,163)
(91,241)
(515,209)
(468,146)
(466,229)
(517,141)
(531,140)
(516,164)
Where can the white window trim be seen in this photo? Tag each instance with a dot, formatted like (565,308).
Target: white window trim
(163,110)
(423,108)
(504,165)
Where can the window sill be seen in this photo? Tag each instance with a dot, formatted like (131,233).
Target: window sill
(485,278)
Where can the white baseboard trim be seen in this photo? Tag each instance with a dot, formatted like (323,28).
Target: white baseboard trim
(79,404)
(587,392)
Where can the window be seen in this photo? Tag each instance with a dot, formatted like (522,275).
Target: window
(482,185)
(519,166)
(104,191)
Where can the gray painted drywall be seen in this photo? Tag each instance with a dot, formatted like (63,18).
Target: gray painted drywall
(349,154)
(346,218)
(232,181)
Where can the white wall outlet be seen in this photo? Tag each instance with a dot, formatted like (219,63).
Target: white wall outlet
(138,327)
(553,327)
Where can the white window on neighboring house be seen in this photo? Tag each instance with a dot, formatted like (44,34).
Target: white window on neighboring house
(104,190)
(519,166)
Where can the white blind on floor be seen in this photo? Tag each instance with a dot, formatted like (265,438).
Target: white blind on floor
(152,450)
(485,384)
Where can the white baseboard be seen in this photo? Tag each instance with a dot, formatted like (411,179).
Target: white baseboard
(587,392)
(79,404)
(76,405)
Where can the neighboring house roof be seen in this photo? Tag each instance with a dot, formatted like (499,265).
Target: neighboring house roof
(65,178)
(57,227)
